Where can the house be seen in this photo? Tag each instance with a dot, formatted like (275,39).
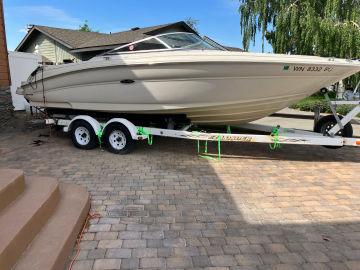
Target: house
(5,97)
(57,45)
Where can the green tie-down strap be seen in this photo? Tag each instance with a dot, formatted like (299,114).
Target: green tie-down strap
(229,129)
(99,134)
(150,137)
(206,149)
(275,138)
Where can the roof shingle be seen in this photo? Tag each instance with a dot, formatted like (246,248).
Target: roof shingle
(75,39)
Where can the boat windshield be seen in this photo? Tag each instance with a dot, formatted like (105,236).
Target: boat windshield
(172,41)
(185,41)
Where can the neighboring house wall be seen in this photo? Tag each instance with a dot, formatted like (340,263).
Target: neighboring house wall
(21,65)
(50,50)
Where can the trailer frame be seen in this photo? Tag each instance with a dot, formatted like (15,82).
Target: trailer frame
(273,135)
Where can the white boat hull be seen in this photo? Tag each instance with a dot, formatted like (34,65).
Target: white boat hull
(208,87)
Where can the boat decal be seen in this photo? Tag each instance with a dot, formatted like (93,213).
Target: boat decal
(294,140)
(310,68)
(229,138)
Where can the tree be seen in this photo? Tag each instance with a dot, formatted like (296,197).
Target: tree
(193,23)
(329,28)
(85,27)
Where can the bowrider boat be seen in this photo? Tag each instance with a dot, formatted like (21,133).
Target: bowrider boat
(181,74)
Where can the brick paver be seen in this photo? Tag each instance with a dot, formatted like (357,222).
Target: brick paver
(164,207)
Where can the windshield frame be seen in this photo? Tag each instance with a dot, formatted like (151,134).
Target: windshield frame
(167,47)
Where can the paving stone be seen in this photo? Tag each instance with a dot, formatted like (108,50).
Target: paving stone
(275,248)
(129,235)
(137,227)
(223,260)
(154,243)
(106,236)
(270,259)
(165,252)
(153,235)
(110,243)
(214,250)
(134,243)
(107,264)
(178,242)
(290,258)
(152,263)
(118,227)
(88,236)
(248,260)
(231,250)
(132,263)
(96,254)
(83,265)
(82,254)
(118,253)
(201,261)
(88,245)
(144,252)
(99,228)
(179,262)
(315,257)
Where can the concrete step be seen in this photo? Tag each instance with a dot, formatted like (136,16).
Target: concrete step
(23,219)
(54,243)
(11,185)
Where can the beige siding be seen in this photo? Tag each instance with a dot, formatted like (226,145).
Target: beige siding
(62,53)
(50,50)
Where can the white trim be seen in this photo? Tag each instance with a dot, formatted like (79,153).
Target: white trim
(92,121)
(130,126)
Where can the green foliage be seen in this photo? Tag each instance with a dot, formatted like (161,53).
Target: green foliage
(85,27)
(329,28)
(193,23)
(318,100)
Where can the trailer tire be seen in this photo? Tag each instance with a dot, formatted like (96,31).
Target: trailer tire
(327,122)
(118,139)
(83,135)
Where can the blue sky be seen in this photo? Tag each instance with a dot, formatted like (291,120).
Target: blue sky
(218,19)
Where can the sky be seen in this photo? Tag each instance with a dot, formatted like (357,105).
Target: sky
(218,19)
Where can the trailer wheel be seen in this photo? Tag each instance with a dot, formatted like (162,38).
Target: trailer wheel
(118,139)
(83,135)
(326,123)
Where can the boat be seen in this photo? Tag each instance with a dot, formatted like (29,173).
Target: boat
(181,74)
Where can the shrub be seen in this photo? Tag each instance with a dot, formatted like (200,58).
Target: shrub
(318,100)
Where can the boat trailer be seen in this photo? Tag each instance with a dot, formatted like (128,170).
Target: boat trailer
(119,134)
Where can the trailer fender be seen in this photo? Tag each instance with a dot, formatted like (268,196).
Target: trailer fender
(92,121)
(130,126)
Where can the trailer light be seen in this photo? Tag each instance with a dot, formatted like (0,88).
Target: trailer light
(358,143)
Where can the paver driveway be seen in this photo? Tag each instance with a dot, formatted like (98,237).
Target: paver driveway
(164,207)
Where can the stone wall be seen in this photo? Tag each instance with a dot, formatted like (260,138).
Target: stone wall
(6,107)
